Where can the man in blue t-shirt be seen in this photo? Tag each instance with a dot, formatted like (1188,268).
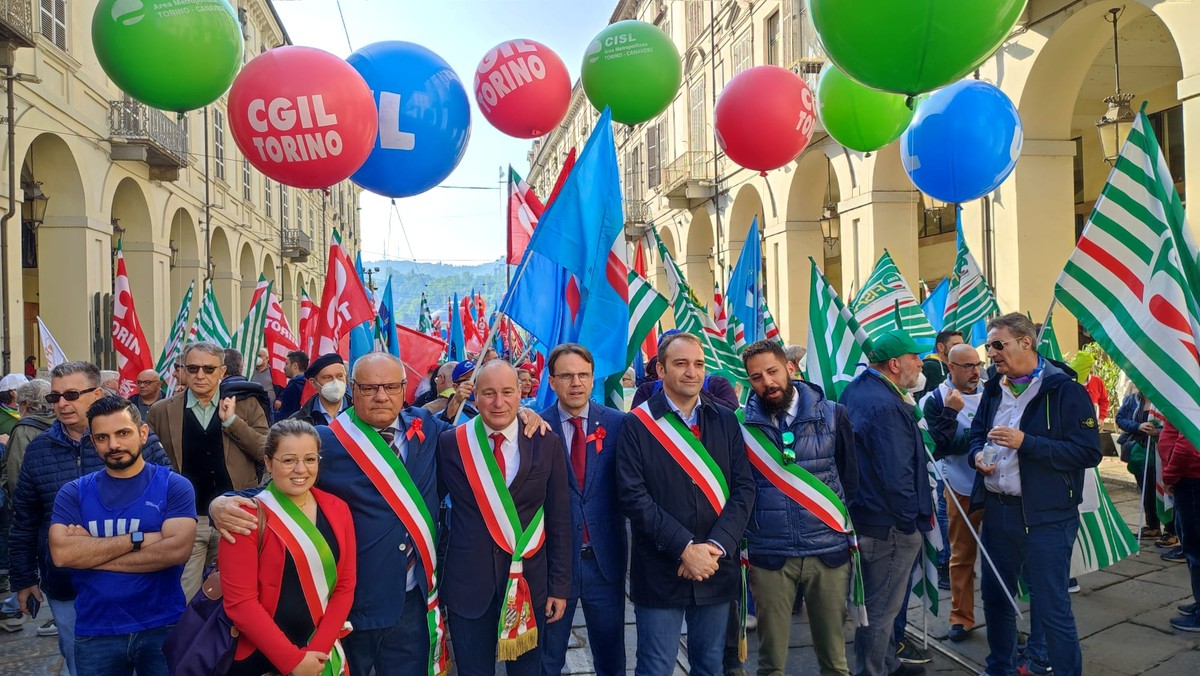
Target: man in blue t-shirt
(125,533)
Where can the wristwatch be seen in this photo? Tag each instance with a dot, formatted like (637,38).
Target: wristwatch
(138,538)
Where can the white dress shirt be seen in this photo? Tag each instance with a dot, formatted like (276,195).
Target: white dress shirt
(508,448)
(1007,477)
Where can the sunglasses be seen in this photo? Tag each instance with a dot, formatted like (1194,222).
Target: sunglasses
(195,368)
(69,395)
(998,345)
(789,453)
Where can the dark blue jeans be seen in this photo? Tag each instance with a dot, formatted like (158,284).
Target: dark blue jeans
(1187,514)
(391,651)
(475,641)
(123,654)
(603,611)
(1042,555)
(658,632)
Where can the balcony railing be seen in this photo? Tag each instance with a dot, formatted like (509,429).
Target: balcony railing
(296,244)
(16,22)
(692,165)
(142,133)
(636,211)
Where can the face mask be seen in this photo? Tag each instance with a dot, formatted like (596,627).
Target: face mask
(333,391)
(920,383)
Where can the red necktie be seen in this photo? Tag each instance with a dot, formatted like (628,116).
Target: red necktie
(696,430)
(497,440)
(579,459)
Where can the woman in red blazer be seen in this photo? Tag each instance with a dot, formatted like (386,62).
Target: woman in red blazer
(262,590)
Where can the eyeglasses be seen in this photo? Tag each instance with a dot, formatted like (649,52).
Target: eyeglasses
(147,382)
(969,367)
(369,389)
(289,463)
(998,345)
(195,368)
(69,395)
(568,377)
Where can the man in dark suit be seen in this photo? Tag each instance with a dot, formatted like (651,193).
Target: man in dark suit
(490,569)
(589,432)
(685,484)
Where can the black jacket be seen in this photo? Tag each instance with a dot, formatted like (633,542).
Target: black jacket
(667,510)
(239,388)
(312,412)
(1062,440)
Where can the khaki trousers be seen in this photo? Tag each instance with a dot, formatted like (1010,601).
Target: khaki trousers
(204,552)
(963,552)
(825,593)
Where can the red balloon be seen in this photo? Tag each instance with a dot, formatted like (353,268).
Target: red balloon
(765,117)
(522,88)
(302,116)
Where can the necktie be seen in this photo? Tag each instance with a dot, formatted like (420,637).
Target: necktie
(578,450)
(696,430)
(389,436)
(498,439)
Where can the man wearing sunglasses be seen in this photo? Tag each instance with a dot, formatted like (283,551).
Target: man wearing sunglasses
(56,457)
(791,548)
(1032,439)
(212,441)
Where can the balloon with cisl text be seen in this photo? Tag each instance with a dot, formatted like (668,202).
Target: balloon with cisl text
(912,46)
(170,56)
(764,117)
(963,142)
(522,88)
(424,118)
(857,116)
(633,68)
(302,116)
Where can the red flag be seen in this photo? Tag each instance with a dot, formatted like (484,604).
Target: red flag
(419,353)
(524,210)
(472,338)
(568,165)
(307,310)
(650,346)
(277,335)
(133,351)
(344,304)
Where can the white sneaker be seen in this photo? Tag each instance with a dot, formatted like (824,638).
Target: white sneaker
(48,629)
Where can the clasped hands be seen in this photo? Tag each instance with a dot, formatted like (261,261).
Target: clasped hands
(699,561)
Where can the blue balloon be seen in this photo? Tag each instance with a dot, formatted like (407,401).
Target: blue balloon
(963,142)
(424,118)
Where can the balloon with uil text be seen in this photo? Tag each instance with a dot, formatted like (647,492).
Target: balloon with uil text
(859,117)
(633,68)
(963,142)
(764,117)
(522,88)
(424,118)
(302,116)
(913,46)
(171,56)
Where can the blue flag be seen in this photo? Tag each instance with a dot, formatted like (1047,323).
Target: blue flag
(458,343)
(745,293)
(362,337)
(577,232)
(934,305)
(386,320)
(537,300)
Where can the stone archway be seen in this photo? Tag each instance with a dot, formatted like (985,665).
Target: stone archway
(223,277)
(248,278)
(699,261)
(147,263)
(186,266)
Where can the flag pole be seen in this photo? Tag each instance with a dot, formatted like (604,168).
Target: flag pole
(506,197)
(1150,443)
(1046,321)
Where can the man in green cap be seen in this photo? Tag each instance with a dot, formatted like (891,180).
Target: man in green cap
(894,502)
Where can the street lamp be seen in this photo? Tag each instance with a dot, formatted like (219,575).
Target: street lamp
(35,202)
(831,225)
(1118,119)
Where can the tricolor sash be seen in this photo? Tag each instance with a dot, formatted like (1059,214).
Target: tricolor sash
(518,627)
(688,453)
(315,565)
(811,493)
(391,478)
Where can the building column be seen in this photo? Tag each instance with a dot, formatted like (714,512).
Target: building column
(1034,233)
(149,268)
(227,287)
(81,251)
(14,314)
(700,277)
(789,244)
(1189,96)
(877,221)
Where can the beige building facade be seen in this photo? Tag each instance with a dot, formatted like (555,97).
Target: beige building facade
(92,166)
(1057,66)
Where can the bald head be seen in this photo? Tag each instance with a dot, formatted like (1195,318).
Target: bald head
(497,393)
(149,386)
(444,380)
(965,367)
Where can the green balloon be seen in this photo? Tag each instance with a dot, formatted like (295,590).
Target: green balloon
(859,117)
(912,46)
(171,56)
(633,68)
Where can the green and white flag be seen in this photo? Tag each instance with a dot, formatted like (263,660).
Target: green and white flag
(969,298)
(835,339)
(719,356)
(875,306)
(1048,343)
(249,335)
(1131,281)
(770,328)
(210,325)
(646,307)
(1104,538)
(175,340)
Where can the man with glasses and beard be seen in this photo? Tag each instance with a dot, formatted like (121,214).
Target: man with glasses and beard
(792,548)
(125,533)
(59,455)
(214,442)
(1034,436)
(894,500)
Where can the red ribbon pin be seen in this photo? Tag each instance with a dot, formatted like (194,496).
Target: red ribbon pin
(414,430)
(598,437)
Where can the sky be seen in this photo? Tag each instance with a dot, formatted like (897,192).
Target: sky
(449,225)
